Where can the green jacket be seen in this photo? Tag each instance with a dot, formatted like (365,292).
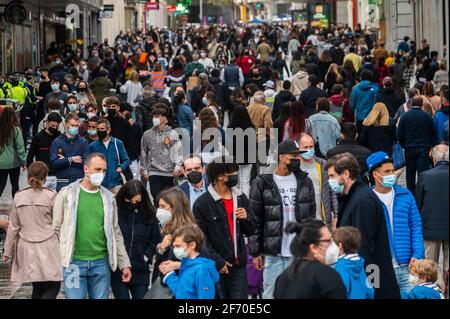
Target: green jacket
(13,154)
(100,87)
(190,67)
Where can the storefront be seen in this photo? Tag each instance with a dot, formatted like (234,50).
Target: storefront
(313,15)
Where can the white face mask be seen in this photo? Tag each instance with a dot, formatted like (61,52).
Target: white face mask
(163,215)
(91,115)
(156,121)
(96,179)
(332,254)
(414,280)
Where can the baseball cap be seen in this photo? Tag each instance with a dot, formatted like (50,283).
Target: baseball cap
(269,84)
(376,159)
(288,147)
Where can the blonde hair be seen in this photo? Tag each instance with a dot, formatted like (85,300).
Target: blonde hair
(425,268)
(334,68)
(428,108)
(134,77)
(379,116)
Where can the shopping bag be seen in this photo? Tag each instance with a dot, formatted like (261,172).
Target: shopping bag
(193,81)
(398,155)
(159,291)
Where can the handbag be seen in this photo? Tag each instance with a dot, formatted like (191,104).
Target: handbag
(124,174)
(158,291)
(193,81)
(398,155)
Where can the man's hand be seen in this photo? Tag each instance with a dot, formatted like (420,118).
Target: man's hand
(333,223)
(5,258)
(119,170)
(258,263)
(224,270)
(126,275)
(76,159)
(241,213)
(131,121)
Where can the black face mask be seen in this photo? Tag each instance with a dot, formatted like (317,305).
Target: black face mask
(232,181)
(53,131)
(102,134)
(133,206)
(112,113)
(294,165)
(82,90)
(194,177)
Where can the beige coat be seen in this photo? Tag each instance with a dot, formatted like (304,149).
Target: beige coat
(31,241)
(299,82)
(65,224)
(264,50)
(261,117)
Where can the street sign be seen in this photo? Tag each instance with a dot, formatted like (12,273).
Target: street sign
(151,6)
(108,7)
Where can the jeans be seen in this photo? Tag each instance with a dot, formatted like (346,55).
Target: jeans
(402,274)
(51,182)
(417,160)
(245,172)
(234,284)
(273,267)
(90,278)
(158,184)
(45,290)
(138,286)
(14,174)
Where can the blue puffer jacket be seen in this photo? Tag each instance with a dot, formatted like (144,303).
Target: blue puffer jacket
(112,178)
(407,241)
(196,279)
(423,291)
(363,98)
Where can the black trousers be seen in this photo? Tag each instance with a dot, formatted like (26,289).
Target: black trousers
(45,290)
(14,174)
(158,184)
(417,161)
(234,285)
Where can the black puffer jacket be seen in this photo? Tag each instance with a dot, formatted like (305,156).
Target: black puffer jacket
(222,94)
(267,207)
(391,99)
(145,108)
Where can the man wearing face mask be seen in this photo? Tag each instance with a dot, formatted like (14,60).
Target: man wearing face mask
(40,147)
(286,195)
(196,184)
(56,93)
(360,207)
(403,220)
(325,198)
(223,213)
(114,151)
(255,77)
(67,153)
(85,218)
(207,62)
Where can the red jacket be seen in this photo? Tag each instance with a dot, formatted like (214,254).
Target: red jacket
(245,63)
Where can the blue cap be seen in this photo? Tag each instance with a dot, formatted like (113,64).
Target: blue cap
(377,158)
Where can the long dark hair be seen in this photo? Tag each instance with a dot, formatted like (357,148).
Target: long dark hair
(297,118)
(285,112)
(8,124)
(131,189)
(240,118)
(308,232)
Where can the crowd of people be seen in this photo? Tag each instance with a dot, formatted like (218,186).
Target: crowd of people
(306,205)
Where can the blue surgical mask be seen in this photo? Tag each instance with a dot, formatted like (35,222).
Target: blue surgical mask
(389,181)
(205,100)
(72,107)
(335,186)
(308,155)
(73,131)
(92,132)
(55,87)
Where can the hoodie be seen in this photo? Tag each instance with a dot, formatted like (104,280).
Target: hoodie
(363,98)
(196,279)
(351,269)
(282,97)
(299,82)
(424,291)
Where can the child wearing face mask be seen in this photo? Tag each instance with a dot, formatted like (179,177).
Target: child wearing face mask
(198,275)
(423,274)
(350,265)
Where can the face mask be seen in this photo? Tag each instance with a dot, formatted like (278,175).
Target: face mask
(308,155)
(133,206)
(232,181)
(205,101)
(92,132)
(73,131)
(389,181)
(194,177)
(112,113)
(96,179)
(53,131)
(335,186)
(58,61)
(102,134)
(72,107)
(156,121)
(180,253)
(91,115)
(203,55)
(163,215)
(332,254)
(85,67)
(55,87)
(413,280)
(81,89)
(294,165)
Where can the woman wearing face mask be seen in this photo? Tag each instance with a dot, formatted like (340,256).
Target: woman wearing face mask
(83,92)
(173,212)
(198,275)
(140,230)
(209,100)
(310,276)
